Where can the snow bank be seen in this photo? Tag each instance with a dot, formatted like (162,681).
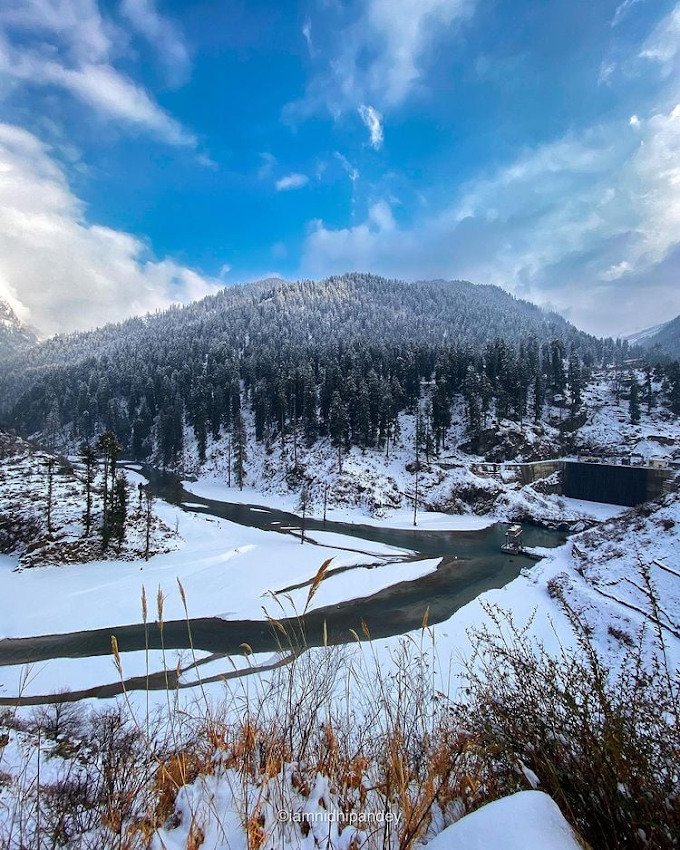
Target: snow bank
(209,487)
(361,582)
(528,820)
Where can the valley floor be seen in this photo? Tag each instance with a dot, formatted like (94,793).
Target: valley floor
(597,571)
(621,576)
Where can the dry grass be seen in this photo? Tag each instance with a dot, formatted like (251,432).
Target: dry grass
(385,740)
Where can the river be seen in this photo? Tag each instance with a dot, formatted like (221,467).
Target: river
(472,562)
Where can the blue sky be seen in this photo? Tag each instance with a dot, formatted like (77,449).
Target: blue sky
(151,152)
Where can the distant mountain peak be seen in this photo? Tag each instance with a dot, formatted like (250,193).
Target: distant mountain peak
(8,318)
(640,337)
(663,339)
(15,336)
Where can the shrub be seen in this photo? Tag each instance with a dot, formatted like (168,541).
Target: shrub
(605,746)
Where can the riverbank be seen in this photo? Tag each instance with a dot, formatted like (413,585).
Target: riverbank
(433,660)
(231,571)
(512,503)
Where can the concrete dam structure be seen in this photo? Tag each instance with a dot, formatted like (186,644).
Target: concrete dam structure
(615,484)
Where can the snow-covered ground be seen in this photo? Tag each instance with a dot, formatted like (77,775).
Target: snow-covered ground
(598,573)
(228,570)
(528,820)
(211,487)
(28,508)
(608,427)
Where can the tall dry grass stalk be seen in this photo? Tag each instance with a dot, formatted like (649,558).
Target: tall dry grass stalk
(361,729)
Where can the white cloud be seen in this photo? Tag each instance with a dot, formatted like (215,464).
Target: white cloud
(268,161)
(622,10)
(65,272)
(406,29)
(162,34)
(605,74)
(115,97)
(352,172)
(373,121)
(634,121)
(589,223)
(379,55)
(67,44)
(380,214)
(663,45)
(617,271)
(77,24)
(307,35)
(291,181)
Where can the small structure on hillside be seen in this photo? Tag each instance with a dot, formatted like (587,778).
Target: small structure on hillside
(513,540)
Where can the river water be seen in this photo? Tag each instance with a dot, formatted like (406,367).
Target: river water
(472,562)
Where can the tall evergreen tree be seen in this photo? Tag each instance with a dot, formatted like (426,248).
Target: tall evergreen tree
(240,449)
(575,379)
(649,392)
(88,457)
(119,509)
(50,463)
(634,401)
(338,423)
(110,449)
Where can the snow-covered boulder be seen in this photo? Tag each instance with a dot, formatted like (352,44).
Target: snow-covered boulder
(529,820)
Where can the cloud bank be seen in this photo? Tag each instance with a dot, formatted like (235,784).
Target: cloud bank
(589,225)
(62,272)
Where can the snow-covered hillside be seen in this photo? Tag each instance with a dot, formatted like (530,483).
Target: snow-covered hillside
(15,336)
(42,509)
(378,482)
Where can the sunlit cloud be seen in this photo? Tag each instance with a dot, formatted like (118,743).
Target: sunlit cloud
(291,181)
(61,270)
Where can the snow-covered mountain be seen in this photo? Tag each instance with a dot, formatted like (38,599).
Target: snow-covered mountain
(643,336)
(663,338)
(15,336)
(340,357)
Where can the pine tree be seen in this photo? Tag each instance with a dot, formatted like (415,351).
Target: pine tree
(649,393)
(240,449)
(338,424)
(539,397)
(441,414)
(149,524)
(119,509)
(472,402)
(303,505)
(88,457)
(417,437)
(575,379)
(110,449)
(557,366)
(673,373)
(50,464)
(53,424)
(634,402)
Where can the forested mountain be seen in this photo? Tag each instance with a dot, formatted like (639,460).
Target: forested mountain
(15,337)
(340,357)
